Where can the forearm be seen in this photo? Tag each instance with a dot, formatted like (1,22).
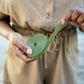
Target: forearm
(5,29)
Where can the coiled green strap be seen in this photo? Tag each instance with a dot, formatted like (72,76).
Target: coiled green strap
(39,43)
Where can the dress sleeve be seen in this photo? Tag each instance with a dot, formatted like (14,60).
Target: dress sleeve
(4,9)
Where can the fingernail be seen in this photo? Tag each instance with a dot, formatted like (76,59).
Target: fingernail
(63,22)
(29,51)
(83,24)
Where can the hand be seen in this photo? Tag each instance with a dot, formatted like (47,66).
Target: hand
(75,17)
(20,47)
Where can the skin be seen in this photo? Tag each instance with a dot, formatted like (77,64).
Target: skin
(16,40)
(74,16)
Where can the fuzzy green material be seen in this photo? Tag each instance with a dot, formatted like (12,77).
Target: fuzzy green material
(39,43)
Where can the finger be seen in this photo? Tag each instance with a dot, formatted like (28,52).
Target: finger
(82,24)
(67,17)
(82,27)
(24,47)
(75,15)
(74,23)
(21,54)
(81,18)
(31,59)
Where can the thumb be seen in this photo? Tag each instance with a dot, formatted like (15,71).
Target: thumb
(24,47)
(67,17)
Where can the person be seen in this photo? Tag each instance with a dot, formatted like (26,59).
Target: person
(21,19)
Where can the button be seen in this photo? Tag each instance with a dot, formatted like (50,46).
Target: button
(48,13)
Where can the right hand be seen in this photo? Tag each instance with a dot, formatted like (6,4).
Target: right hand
(20,47)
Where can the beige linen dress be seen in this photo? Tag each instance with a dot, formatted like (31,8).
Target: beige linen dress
(58,65)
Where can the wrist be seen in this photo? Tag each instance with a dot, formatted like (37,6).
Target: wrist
(11,36)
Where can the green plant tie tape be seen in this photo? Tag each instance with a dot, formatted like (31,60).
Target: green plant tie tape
(39,43)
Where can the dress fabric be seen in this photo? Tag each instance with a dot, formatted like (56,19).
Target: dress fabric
(58,65)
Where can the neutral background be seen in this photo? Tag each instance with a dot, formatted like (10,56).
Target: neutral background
(4,45)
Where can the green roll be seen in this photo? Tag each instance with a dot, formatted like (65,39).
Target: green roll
(39,43)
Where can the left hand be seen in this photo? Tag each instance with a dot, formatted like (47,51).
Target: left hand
(75,17)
